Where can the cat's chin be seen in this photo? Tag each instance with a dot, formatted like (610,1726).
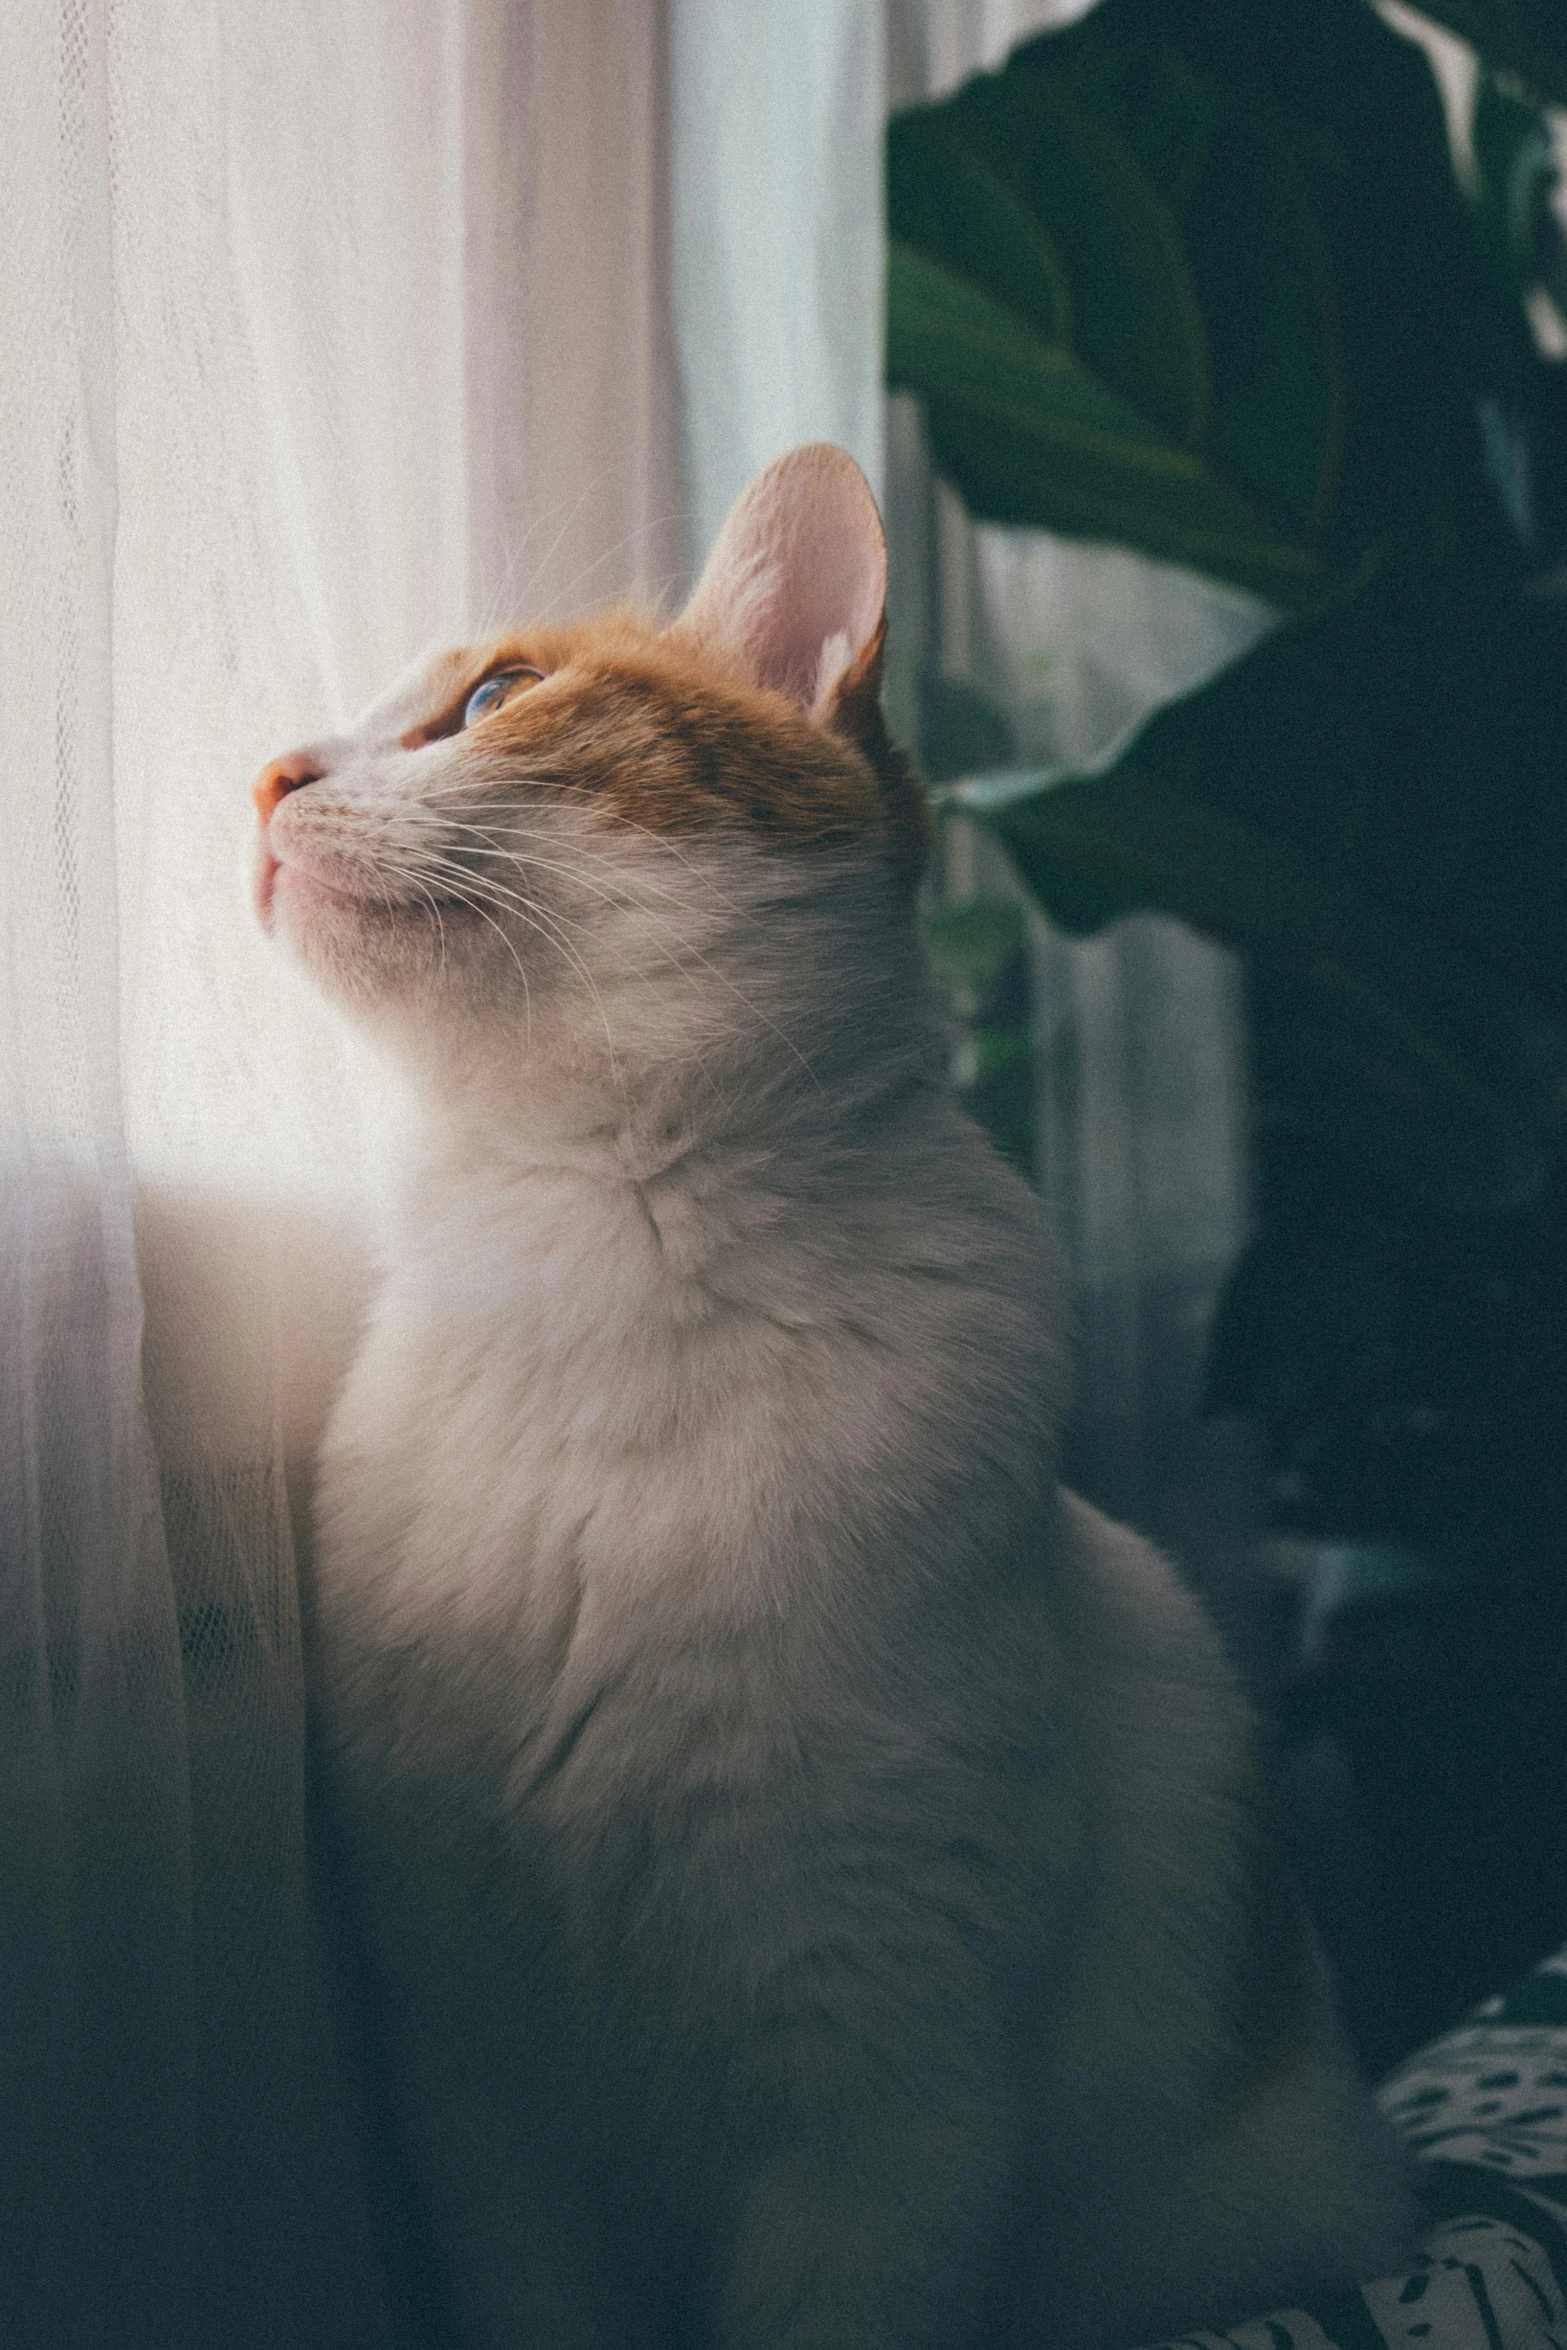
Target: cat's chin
(286,890)
(295,894)
(368,950)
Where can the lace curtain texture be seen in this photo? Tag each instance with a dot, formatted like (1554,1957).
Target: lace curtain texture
(334,333)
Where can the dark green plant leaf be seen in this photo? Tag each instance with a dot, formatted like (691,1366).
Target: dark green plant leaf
(1035,437)
(1519,230)
(1199,163)
(1528,35)
(961,732)
(1375,797)
(950,201)
(1407,1364)
(979,951)
(1195,276)
(1515,167)
(1132,311)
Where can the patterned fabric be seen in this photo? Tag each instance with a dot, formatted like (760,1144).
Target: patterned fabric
(1484,2110)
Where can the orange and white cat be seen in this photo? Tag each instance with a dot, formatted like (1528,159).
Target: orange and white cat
(817,1862)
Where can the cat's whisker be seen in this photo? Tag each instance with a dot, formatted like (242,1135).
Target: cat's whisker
(503,604)
(499,894)
(589,490)
(657,840)
(620,897)
(414,881)
(462,883)
(689,954)
(407,874)
(473,906)
(683,904)
(627,539)
(596,887)
(537,916)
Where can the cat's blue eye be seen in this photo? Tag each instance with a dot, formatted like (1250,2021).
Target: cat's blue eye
(489,696)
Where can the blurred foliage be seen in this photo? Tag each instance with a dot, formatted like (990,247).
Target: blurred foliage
(1375,800)
(1530,36)
(979,950)
(961,732)
(1515,169)
(1198,277)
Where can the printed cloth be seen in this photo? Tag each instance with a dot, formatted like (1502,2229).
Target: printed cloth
(1484,2110)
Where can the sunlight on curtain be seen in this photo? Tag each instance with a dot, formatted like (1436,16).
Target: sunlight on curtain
(777,117)
(88,1664)
(332,330)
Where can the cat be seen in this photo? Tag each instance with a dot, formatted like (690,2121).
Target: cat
(817,1864)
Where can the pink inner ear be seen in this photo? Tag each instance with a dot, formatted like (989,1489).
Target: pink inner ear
(821,604)
(795,585)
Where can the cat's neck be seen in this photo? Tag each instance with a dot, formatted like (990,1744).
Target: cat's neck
(647,1181)
(785,1050)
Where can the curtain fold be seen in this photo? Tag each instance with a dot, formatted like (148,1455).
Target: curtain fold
(776,133)
(94,1811)
(335,333)
(575,486)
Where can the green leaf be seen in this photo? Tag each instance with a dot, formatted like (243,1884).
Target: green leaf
(960,730)
(979,950)
(1034,437)
(1528,35)
(1376,798)
(1226,304)
(1136,321)
(1515,168)
(949,201)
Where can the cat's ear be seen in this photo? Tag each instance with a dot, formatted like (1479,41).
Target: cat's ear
(795,588)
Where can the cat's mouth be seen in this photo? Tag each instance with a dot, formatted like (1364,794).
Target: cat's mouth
(314,892)
(301,883)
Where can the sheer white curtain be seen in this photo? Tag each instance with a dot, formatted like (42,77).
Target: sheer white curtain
(777,117)
(330,331)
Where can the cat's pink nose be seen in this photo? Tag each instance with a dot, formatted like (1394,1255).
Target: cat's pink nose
(276,781)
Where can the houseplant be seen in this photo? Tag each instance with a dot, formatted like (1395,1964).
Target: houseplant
(1201,279)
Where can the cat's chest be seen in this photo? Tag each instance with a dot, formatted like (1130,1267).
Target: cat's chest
(457,1480)
(500,1449)
(530,1616)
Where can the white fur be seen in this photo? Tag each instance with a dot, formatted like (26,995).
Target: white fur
(813,1858)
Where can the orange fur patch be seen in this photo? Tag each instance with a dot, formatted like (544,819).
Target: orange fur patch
(670,737)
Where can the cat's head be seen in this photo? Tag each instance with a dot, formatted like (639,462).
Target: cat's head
(571,818)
